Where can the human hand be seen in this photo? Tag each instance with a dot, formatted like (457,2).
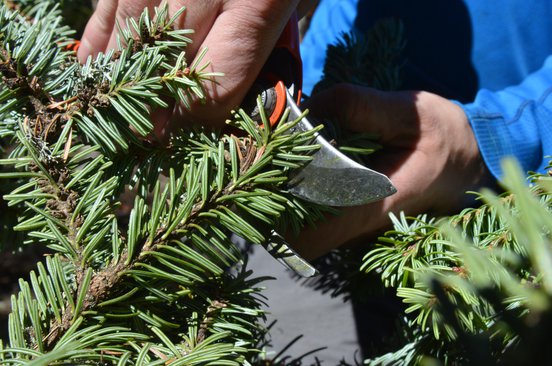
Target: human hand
(239,36)
(430,154)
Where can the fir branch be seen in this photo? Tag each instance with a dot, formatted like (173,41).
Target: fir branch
(470,278)
(158,284)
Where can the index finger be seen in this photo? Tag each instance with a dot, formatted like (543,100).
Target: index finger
(363,109)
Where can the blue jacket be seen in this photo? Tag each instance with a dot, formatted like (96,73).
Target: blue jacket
(490,57)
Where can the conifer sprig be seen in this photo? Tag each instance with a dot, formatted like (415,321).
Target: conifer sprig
(475,279)
(163,282)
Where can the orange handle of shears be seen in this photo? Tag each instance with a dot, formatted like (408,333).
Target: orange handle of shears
(283,69)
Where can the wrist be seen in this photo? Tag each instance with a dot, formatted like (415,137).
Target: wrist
(469,160)
(456,161)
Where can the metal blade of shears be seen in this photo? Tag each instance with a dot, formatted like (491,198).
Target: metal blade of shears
(332,178)
(282,251)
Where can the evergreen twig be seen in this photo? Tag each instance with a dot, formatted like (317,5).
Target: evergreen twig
(162,283)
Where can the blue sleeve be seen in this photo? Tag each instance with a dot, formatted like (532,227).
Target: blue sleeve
(515,122)
(330,20)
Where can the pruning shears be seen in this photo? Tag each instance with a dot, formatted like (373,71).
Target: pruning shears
(330,178)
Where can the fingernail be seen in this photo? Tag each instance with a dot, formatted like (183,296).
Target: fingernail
(84,50)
